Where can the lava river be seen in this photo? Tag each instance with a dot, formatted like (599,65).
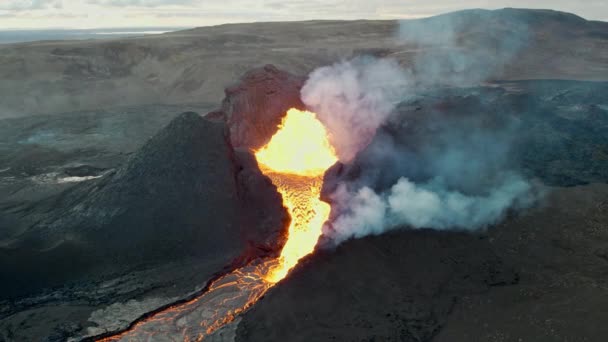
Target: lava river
(295,160)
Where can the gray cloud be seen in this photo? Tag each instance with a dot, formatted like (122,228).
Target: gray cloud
(418,171)
(459,61)
(273,10)
(353,98)
(24,5)
(142,3)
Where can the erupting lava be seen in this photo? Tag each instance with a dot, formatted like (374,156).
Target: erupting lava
(295,160)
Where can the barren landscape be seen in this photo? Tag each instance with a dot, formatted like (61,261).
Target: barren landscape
(129,183)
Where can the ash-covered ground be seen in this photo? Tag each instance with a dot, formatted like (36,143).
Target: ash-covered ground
(114,206)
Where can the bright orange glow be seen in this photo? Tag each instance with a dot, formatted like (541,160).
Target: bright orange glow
(295,159)
(299,147)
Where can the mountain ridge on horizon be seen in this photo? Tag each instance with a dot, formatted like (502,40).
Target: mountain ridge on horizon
(195,65)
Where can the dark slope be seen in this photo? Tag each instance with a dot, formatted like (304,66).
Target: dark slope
(185,194)
(422,285)
(395,287)
(183,208)
(560,251)
(538,277)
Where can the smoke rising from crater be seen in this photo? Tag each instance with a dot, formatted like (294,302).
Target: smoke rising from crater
(353,98)
(429,205)
(467,47)
(404,168)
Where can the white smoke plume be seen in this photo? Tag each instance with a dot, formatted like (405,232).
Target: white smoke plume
(423,206)
(353,98)
(459,180)
(466,47)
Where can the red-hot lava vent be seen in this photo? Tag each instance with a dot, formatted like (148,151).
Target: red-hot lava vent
(295,160)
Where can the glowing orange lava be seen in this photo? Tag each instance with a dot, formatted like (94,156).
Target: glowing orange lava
(295,160)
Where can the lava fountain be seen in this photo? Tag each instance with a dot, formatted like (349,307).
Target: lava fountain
(295,159)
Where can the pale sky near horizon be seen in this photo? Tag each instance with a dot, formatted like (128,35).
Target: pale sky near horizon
(80,14)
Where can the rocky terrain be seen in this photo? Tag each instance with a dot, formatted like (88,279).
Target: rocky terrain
(127,226)
(531,277)
(114,204)
(540,276)
(195,66)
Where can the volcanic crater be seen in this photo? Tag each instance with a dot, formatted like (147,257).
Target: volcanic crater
(229,226)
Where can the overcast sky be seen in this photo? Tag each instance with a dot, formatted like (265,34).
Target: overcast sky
(188,13)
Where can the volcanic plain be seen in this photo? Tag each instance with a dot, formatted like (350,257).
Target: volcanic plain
(127,183)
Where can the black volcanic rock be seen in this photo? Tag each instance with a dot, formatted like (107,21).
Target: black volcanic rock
(447,286)
(254,107)
(400,286)
(552,131)
(185,194)
(505,284)
(260,201)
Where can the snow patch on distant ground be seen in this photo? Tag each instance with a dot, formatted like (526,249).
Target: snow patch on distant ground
(56,178)
(73,179)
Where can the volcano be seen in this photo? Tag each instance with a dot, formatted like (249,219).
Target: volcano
(298,178)
(187,174)
(472,208)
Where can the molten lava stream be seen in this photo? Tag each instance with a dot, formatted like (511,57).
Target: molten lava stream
(295,160)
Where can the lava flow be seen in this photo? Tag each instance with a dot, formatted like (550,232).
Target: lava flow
(295,160)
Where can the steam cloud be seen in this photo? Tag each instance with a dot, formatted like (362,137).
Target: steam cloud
(464,48)
(456,174)
(423,206)
(353,98)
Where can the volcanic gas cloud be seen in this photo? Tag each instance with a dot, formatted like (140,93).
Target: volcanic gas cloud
(353,101)
(458,176)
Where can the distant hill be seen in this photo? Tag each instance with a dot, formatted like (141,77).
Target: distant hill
(21,36)
(196,65)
